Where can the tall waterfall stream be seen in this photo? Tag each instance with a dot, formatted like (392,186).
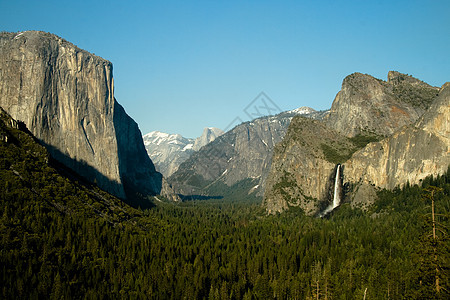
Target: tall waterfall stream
(336,194)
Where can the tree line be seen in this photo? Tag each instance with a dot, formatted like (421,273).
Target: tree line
(65,239)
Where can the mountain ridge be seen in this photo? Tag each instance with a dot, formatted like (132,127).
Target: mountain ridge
(240,156)
(168,151)
(366,104)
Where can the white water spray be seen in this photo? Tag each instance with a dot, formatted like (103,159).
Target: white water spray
(336,195)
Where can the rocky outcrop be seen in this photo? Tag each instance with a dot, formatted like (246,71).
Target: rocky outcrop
(137,172)
(65,96)
(243,154)
(409,155)
(304,165)
(209,134)
(366,105)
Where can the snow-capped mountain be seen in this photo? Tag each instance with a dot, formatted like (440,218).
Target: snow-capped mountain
(168,151)
(304,110)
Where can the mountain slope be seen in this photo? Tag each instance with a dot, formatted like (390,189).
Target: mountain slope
(241,156)
(65,96)
(56,227)
(168,151)
(29,173)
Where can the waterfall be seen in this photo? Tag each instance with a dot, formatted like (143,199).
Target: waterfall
(337,196)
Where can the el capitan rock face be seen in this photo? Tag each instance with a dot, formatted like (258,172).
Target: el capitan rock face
(65,96)
(367,105)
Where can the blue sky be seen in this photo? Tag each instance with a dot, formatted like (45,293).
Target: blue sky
(180,66)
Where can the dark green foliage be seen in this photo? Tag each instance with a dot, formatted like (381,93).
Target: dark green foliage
(335,155)
(285,185)
(418,97)
(361,140)
(338,155)
(61,239)
(241,190)
(54,231)
(196,180)
(202,249)
(430,254)
(286,181)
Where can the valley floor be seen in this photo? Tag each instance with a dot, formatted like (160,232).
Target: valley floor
(85,245)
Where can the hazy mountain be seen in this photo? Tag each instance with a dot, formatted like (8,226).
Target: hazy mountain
(168,151)
(241,156)
(209,134)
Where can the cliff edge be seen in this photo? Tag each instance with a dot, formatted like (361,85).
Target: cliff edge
(65,96)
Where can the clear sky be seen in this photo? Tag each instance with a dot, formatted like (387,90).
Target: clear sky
(180,66)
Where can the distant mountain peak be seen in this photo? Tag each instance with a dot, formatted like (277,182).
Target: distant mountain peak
(209,134)
(304,110)
(168,151)
(158,137)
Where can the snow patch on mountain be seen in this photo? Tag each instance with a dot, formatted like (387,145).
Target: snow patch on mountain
(304,110)
(169,151)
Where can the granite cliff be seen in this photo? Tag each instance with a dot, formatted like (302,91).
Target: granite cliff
(409,155)
(65,96)
(384,134)
(367,105)
(209,134)
(303,166)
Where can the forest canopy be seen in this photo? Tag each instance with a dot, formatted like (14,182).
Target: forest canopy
(63,238)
